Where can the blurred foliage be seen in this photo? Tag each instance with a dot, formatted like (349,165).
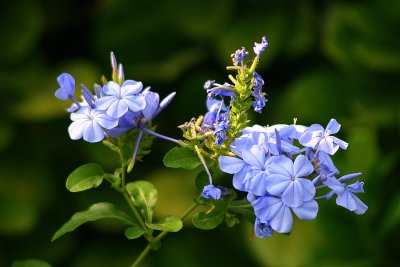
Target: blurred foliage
(326,59)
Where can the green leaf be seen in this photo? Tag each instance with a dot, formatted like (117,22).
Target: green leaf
(134,232)
(30,263)
(202,180)
(169,224)
(207,221)
(95,212)
(231,220)
(144,196)
(181,157)
(85,177)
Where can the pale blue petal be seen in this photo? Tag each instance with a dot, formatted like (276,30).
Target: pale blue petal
(262,230)
(283,166)
(75,130)
(257,184)
(230,164)
(135,103)
(131,87)
(335,185)
(104,120)
(112,89)
(255,156)
(302,166)
(357,187)
(361,207)
(238,179)
(332,127)
(346,200)
(277,184)
(117,109)
(93,132)
(293,195)
(342,144)
(152,100)
(105,102)
(308,188)
(308,211)
(282,222)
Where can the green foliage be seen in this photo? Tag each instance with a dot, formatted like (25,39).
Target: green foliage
(134,232)
(85,177)
(95,212)
(168,223)
(144,195)
(30,263)
(181,157)
(208,220)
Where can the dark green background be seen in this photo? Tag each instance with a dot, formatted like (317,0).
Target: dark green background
(326,59)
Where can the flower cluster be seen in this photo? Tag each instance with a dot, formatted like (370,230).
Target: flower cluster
(116,107)
(282,166)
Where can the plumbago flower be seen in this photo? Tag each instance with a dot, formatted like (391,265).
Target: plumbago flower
(281,169)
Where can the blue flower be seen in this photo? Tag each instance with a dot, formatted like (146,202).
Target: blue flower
(286,180)
(274,212)
(222,126)
(262,230)
(260,47)
(316,137)
(153,106)
(219,90)
(119,99)
(345,196)
(250,173)
(89,124)
(239,56)
(67,86)
(211,191)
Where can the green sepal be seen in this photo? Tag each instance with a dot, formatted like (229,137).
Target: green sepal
(208,220)
(134,232)
(181,157)
(95,212)
(168,223)
(85,177)
(30,263)
(144,195)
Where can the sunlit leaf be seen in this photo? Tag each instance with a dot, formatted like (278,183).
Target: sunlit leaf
(85,177)
(208,220)
(181,157)
(144,196)
(169,224)
(134,232)
(95,212)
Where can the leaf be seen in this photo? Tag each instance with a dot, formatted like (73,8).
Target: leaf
(85,177)
(144,196)
(30,263)
(169,224)
(181,157)
(134,232)
(95,212)
(207,221)
(202,180)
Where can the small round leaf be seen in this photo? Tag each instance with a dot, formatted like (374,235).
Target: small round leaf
(85,177)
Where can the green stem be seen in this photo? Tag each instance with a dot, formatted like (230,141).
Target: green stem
(147,249)
(142,256)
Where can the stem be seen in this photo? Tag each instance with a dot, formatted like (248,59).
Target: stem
(147,249)
(133,207)
(161,136)
(141,256)
(203,162)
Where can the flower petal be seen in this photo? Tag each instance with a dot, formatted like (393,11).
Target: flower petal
(135,103)
(93,132)
(308,211)
(332,127)
(131,87)
(302,166)
(112,89)
(230,164)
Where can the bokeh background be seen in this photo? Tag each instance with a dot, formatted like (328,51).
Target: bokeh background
(326,59)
